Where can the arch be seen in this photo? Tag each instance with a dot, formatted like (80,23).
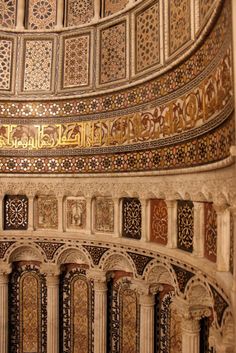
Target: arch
(199,294)
(25,252)
(75,255)
(116,261)
(160,273)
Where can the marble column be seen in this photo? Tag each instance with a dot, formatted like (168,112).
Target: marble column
(52,310)
(100,314)
(3,312)
(223,237)
(172,223)
(20,15)
(198,239)
(190,336)
(147,302)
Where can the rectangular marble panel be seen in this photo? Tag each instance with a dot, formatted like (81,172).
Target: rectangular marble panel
(41,14)
(15,212)
(158,221)
(47,212)
(185,225)
(75,213)
(6,62)
(79,12)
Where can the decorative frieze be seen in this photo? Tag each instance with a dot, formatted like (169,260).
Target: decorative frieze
(15,212)
(132,218)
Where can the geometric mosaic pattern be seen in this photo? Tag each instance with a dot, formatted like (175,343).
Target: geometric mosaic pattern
(41,14)
(147,37)
(187,154)
(76,61)
(113,6)
(7,13)
(132,218)
(159,221)
(179,24)
(210,247)
(79,12)
(38,65)
(113,53)
(185,225)
(15,212)
(6,49)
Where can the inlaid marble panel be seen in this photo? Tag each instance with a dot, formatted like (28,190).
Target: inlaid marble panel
(179,24)
(129,321)
(79,12)
(204,7)
(147,37)
(104,214)
(132,218)
(38,65)
(15,212)
(41,14)
(113,53)
(47,212)
(76,213)
(76,61)
(7,13)
(210,245)
(113,6)
(185,226)
(158,221)
(6,59)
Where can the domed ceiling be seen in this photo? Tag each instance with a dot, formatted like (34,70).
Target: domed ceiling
(145,86)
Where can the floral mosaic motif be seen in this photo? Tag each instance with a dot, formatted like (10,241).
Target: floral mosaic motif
(76,61)
(28,310)
(158,221)
(95,252)
(41,14)
(163,322)
(6,49)
(49,248)
(47,212)
(179,24)
(75,213)
(210,246)
(79,12)
(38,65)
(76,312)
(219,305)
(141,94)
(214,146)
(15,212)
(113,53)
(4,246)
(140,261)
(204,7)
(131,218)
(183,276)
(113,6)
(7,13)
(104,214)
(147,37)
(185,226)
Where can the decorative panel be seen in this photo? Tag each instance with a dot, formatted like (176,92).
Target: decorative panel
(158,221)
(132,218)
(76,61)
(28,310)
(47,212)
(75,213)
(6,59)
(147,37)
(210,224)
(113,53)
(185,227)
(113,6)
(179,24)
(41,14)
(76,312)
(204,7)
(79,12)
(182,276)
(129,321)
(104,214)
(38,65)
(7,13)
(15,212)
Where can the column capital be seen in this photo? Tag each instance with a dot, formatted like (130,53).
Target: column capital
(220,208)
(97,276)
(50,270)
(190,325)
(5,269)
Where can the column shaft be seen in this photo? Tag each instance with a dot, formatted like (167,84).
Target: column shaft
(172,223)
(144,220)
(88,215)
(20,15)
(198,239)
(147,323)
(31,213)
(116,217)
(3,313)
(60,200)
(190,336)
(53,314)
(100,317)
(223,238)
